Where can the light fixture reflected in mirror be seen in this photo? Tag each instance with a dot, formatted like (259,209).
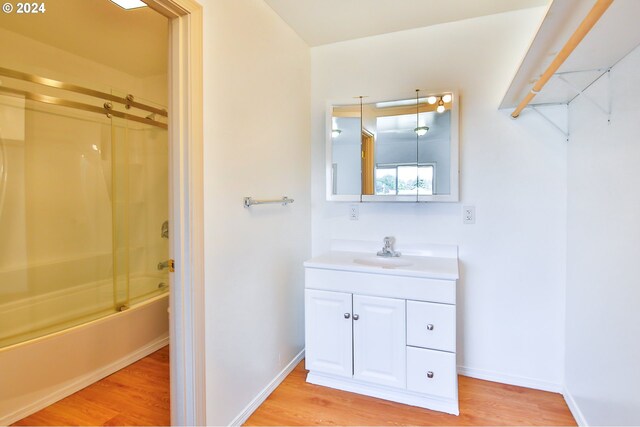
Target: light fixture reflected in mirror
(421,130)
(335,132)
(447,98)
(432,100)
(440,108)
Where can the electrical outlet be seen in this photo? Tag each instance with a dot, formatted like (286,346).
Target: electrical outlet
(469,214)
(354,212)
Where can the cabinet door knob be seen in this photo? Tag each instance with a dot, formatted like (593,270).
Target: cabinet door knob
(356,317)
(429,374)
(429,327)
(347,315)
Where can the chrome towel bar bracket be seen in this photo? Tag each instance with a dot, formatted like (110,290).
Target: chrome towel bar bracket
(250,201)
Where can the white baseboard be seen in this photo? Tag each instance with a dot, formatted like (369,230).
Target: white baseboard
(83,381)
(574,408)
(262,396)
(498,377)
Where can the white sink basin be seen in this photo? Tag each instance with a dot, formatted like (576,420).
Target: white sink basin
(376,261)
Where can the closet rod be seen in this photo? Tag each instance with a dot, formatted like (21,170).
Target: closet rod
(585,26)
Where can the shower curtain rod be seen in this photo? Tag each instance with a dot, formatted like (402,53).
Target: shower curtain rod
(32,78)
(45,99)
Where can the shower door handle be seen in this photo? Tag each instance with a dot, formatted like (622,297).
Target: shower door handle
(170,264)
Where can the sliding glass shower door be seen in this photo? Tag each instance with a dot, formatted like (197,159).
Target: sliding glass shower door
(140,210)
(83,199)
(55,219)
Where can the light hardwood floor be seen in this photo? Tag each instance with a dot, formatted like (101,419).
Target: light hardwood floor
(135,395)
(296,402)
(139,395)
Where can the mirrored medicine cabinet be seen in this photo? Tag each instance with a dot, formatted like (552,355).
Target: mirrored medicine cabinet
(403,150)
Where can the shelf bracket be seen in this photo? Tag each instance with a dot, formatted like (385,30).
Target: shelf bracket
(583,94)
(551,122)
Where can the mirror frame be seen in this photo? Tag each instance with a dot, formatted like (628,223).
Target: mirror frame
(454,166)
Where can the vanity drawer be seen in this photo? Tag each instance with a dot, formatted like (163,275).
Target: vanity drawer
(431,325)
(432,372)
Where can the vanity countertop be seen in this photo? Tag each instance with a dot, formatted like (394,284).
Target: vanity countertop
(406,265)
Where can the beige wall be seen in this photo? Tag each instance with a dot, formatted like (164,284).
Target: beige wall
(32,56)
(256,143)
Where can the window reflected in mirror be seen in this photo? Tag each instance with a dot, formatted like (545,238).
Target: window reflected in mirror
(394,150)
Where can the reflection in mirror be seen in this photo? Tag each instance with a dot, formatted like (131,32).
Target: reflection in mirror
(395,149)
(434,153)
(345,152)
(412,145)
(403,150)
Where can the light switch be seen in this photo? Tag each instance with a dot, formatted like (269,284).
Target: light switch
(469,214)
(354,212)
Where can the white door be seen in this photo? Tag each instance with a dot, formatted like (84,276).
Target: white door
(328,332)
(379,341)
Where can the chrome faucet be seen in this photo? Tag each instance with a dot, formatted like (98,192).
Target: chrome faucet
(387,249)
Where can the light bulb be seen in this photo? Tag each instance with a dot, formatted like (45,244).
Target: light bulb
(421,130)
(440,109)
(447,98)
(335,133)
(432,100)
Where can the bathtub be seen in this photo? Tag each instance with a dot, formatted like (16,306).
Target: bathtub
(41,371)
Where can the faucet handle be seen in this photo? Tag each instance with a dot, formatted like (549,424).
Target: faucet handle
(389,240)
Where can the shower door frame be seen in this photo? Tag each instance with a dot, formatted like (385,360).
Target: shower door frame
(186,211)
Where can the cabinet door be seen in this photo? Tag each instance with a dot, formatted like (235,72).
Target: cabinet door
(379,340)
(328,332)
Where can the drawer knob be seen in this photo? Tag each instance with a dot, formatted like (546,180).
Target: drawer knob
(356,317)
(429,327)
(429,374)
(347,315)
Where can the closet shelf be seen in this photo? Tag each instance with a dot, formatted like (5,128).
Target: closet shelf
(614,36)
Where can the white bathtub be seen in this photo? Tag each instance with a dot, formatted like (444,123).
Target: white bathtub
(36,373)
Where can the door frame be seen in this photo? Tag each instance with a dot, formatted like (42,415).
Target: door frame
(186,211)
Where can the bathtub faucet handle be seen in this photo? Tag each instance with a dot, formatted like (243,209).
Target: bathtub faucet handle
(170,264)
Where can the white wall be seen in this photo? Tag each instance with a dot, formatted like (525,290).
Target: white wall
(511,294)
(256,143)
(603,319)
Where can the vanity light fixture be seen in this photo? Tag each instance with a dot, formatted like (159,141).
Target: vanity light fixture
(335,133)
(421,130)
(129,4)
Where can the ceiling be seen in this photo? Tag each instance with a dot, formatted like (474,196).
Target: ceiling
(134,41)
(321,22)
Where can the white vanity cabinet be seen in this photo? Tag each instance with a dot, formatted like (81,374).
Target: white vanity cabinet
(386,335)
(329,332)
(356,336)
